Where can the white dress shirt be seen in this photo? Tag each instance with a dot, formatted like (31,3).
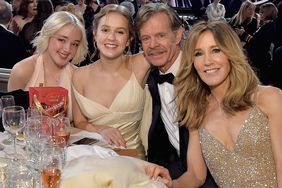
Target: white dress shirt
(168,106)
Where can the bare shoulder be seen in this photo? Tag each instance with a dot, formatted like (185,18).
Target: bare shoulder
(138,57)
(18,18)
(24,68)
(72,68)
(269,98)
(140,64)
(80,75)
(21,73)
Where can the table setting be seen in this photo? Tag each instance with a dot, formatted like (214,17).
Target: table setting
(38,151)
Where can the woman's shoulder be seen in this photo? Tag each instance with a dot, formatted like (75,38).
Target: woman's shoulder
(18,18)
(269,98)
(81,73)
(25,66)
(136,57)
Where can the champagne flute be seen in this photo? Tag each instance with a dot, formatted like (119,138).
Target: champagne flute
(52,164)
(13,118)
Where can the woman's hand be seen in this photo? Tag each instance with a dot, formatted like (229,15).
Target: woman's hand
(239,31)
(112,136)
(159,173)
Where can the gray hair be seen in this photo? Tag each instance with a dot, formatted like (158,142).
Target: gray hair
(128,5)
(5,12)
(151,9)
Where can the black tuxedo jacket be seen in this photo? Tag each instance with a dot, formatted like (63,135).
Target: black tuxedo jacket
(160,150)
(11,49)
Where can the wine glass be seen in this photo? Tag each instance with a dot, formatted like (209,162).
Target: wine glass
(61,128)
(52,161)
(13,118)
(8,100)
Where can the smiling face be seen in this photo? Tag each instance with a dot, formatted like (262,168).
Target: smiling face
(249,11)
(210,62)
(112,35)
(63,45)
(160,42)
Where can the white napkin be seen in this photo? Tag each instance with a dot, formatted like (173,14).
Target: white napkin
(77,151)
(111,172)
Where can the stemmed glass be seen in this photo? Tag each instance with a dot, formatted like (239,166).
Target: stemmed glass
(8,100)
(61,128)
(13,118)
(52,161)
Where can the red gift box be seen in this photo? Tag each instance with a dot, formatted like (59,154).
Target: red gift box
(50,101)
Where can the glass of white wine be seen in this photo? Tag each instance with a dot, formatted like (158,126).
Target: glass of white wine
(13,119)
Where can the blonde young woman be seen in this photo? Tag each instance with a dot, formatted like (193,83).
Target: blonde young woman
(235,123)
(60,45)
(109,94)
(245,17)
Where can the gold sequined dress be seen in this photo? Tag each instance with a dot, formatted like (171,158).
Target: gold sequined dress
(250,163)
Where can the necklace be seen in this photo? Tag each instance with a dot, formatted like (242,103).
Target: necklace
(55,78)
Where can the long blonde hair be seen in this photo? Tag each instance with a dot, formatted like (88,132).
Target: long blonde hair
(239,18)
(192,92)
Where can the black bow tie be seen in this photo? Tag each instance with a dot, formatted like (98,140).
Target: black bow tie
(165,78)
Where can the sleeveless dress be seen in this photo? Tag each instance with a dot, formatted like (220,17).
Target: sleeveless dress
(250,163)
(125,112)
(37,78)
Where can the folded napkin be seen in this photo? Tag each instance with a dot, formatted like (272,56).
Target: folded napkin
(111,172)
(77,151)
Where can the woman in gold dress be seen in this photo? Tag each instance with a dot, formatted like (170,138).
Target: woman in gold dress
(234,123)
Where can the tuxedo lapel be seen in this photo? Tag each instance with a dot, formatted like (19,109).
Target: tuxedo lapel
(153,87)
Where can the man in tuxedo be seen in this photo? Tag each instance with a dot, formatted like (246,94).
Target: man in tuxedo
(160,32)
(11,47)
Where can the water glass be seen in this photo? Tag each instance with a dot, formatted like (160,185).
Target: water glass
(18,175)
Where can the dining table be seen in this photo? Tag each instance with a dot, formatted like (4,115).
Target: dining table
(98,164)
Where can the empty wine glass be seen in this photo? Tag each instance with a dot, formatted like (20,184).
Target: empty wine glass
(52,161)
(8,100)
(13,119)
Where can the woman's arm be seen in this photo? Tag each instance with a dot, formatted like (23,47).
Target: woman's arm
(196,168)
(110,134)
(141,68)
(196,173)
(270,102)
(21,74)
